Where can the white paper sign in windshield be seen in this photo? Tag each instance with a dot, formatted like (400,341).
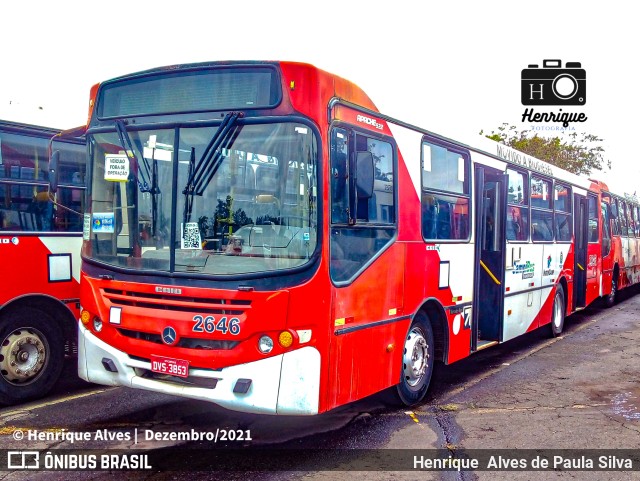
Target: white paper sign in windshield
(116,167)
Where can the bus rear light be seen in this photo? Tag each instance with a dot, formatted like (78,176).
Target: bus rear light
(265,344)
(85,316)
(285,339)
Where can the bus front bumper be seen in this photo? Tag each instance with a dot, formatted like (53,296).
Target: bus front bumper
(285,384)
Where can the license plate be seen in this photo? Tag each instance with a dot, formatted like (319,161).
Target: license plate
(167,365)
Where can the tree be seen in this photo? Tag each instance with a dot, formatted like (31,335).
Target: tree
(577,153)
(231,222)
(203,225)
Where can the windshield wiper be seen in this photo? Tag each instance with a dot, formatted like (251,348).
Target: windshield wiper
(155,190)
(188,198)
(216,161)
(201,174)
(125,142)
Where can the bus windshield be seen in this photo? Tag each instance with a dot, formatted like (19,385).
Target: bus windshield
(237,198)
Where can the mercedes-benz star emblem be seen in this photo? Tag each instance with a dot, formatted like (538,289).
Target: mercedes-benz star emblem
(169,335)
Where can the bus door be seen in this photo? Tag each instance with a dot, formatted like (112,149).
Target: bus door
(488,301)
(580,257)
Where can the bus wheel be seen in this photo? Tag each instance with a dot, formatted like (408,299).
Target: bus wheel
(610,300)
(417,361)
(31,355)
(557,316)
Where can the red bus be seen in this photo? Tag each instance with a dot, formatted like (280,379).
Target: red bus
(620,242)
(40,241)
(259,236)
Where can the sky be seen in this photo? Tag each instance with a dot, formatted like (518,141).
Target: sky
(452,67)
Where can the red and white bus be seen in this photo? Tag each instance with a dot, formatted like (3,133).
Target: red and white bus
(40,241)
(259,236)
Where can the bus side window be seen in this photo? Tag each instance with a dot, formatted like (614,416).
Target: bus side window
(593,218)
(562,213)
(606,224)
(444,220)
(630,221)
(352,247)
(517,225)
(445,193)
(429,216)
(616,219)
(339,177)
(541,226)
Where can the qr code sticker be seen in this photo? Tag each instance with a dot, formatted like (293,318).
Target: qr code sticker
(190,236)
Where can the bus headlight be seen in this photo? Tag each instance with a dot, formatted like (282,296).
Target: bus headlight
(265,344)
(97,324)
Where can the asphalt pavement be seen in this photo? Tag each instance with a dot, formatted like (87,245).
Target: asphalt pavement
(578,391)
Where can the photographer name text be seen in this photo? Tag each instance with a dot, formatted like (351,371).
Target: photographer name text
(542,463)
(136,435)
(564,117)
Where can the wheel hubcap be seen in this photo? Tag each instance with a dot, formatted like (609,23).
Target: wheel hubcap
(22,356)
(415,359)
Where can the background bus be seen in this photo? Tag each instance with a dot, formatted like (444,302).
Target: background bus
(259,236)
(40,240)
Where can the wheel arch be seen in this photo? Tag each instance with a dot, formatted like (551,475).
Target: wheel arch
(565,294)
(438,319)
(50,307)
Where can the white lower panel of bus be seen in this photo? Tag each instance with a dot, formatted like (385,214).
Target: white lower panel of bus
(284,384)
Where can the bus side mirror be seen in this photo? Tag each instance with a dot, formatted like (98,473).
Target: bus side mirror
(53,171)
(364,175)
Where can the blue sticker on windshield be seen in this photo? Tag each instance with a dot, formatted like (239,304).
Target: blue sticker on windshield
(103,222)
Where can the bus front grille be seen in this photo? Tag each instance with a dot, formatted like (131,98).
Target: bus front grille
(165,302)
(187,342)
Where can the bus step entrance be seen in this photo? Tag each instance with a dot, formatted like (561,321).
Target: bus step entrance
(484,344)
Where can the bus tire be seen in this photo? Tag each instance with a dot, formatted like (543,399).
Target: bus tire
(417,361)
(31,355)
(558,312)
(610,300)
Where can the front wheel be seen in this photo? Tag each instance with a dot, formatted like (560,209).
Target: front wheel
(31,355)
(557,316)
(417,361)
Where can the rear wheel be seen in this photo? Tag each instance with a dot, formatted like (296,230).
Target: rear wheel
(417,361)
(31,355)
(557,316)
(611,299)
